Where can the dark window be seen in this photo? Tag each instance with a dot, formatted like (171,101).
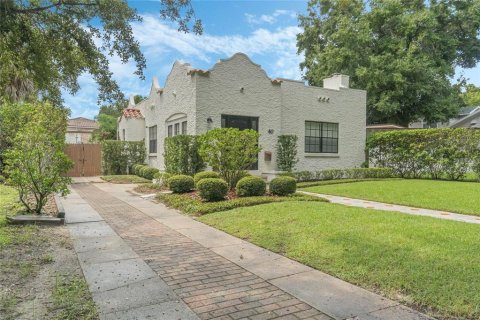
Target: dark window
(321,137)
(177,129)
(123,132)
(242,123)
(184,127)
(170,131)
(152,136)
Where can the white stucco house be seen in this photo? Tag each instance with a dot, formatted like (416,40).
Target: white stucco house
(330,122)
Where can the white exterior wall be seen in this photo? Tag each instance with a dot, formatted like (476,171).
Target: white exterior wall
(176,99)
(220,93)
(347,107)
(282,108)
(134,129)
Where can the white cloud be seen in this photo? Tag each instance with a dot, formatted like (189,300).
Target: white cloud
(161,43)
(268,18)
(156,36)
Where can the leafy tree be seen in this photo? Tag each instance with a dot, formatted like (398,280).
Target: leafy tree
(287,152)
(107,128)
(182,156)
(403,52)
(36,161)
(230,152)
(15,116)
(471,96)
(45,45)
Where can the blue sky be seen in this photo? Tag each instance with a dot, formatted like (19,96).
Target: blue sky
(264,30)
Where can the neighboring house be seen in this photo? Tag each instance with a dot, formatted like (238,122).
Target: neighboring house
(372,128)
(329,122)
(469,120)
(467,117)
(79,130)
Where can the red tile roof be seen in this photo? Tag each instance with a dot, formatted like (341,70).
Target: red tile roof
(132,113)
(82,123)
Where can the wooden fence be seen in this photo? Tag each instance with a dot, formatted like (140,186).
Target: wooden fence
(87,159)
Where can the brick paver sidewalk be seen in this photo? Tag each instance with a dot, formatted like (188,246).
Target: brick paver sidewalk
(212,286)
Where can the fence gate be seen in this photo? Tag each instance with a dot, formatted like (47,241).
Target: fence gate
(87,159)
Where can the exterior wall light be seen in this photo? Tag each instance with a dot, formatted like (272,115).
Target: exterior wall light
(271,131)
(242,89)
(209,120)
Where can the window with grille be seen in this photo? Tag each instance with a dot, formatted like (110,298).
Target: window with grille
(321,137)
(170,131)
(176,129)
(152,136)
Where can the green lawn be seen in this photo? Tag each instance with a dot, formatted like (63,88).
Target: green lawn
(427,263)
(461,197)
(8,206)
(122,179)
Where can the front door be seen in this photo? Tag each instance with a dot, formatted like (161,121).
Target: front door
(242,123)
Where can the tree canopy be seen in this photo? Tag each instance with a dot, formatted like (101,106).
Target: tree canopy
(471,96)
(403,52)
(45,45)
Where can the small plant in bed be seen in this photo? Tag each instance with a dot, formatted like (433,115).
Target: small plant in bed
(192,204)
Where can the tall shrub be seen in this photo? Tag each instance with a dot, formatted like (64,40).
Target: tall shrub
(182,156)
(287,152)
(438,153)
(118,157)
(35,161)
(230,151)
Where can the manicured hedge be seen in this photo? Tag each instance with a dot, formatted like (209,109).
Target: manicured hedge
(283,186)
(119,156)
(212,189)
(204,175)
(181,155)
(251,186)
(180,183)
(334,174)
(437,153)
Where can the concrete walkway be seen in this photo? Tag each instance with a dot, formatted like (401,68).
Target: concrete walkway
(202,270)
(397,208)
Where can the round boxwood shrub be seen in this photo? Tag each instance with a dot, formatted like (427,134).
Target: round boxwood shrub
(135,168)
(180,183)
(140,169)
(149,172)
(251,186)
(212,189)
(204,175)
(282,186)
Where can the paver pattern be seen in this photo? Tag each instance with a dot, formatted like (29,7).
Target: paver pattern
(212,286)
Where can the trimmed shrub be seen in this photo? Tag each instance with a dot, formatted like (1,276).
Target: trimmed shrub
(136,168)
(476,168)
(182,156)
(335,174)
(204,175)
(287,152)
(282,186)
(438,153)
(180,183)
(212,189)
(149,172)
(2,179)
(119,156)
(251,186)
(230,152)
(141,171)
